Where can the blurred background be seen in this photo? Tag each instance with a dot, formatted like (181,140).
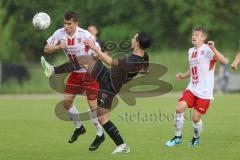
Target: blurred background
(170,22)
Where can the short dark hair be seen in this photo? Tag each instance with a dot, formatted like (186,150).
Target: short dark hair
(71,15)
(203,30)
(144,40)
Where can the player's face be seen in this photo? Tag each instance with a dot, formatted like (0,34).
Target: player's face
(134,41)
(198,38)
(70,26)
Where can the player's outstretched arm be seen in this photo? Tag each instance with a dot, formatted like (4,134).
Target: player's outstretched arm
(236,62)
(219,56)
(106,58)
(181,76)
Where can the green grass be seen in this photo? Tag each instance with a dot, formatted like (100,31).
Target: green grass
(30,130)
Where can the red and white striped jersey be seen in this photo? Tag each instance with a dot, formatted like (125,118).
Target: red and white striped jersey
(75,46)
(202,66)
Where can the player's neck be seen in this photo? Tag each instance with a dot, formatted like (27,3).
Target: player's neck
(138,51)
(198,45)
(72,33)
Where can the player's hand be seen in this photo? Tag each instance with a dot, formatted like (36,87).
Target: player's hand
(63,44)
(179,76)
(234,66)
(90,44)
(211,44)
(95,56)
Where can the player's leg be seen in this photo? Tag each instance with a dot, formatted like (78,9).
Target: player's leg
(100,134)
(112,131)
(200,108)
(93,115)
(185,101)
(105,100)
(91,88)
(74,116)
(73,87)
(197,128)
(178,124)
(179,117)
(80,62)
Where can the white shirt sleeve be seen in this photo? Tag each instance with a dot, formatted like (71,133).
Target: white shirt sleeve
(92,38)
(210,53)
(54,39)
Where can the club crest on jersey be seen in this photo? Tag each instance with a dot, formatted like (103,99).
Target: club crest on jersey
(202,52)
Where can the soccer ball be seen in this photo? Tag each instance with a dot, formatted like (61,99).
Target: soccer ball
(41,21)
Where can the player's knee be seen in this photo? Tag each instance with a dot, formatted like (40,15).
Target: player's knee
(92,105)
(92,108)
(67,104)
(103,119)
(196,119)
(181,106)
(179,110)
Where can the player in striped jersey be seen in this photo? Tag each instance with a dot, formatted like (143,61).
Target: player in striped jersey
(70,39)
(199,93)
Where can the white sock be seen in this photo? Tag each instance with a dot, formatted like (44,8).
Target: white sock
(197,127)
(178,123)
(94,119)
(74,116)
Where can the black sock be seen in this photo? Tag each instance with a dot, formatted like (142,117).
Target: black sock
(113,132)
(67,67)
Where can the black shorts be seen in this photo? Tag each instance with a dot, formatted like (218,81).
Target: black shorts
(106,93)
(105,99)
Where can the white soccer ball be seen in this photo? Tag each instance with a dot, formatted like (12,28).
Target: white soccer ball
(41,21)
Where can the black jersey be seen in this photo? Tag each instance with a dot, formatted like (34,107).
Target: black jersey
(112,79)
(127,69)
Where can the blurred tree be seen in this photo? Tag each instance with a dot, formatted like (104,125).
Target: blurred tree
(170,22)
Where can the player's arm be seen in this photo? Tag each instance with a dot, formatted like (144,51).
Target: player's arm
(106,58)
(236,62)
(181,76)
(52,48)
(217,55)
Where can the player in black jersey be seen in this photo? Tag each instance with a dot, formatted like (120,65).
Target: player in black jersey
(110,79)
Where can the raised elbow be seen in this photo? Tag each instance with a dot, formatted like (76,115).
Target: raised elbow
(46,50)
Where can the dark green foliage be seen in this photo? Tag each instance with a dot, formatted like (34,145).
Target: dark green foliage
(169,21)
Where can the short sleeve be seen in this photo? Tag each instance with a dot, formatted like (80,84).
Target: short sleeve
(92,38)
(54,39)
(210,53)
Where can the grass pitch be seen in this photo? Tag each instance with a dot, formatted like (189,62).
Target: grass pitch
(30,130)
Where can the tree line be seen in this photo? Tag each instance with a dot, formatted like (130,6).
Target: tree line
(170,22)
